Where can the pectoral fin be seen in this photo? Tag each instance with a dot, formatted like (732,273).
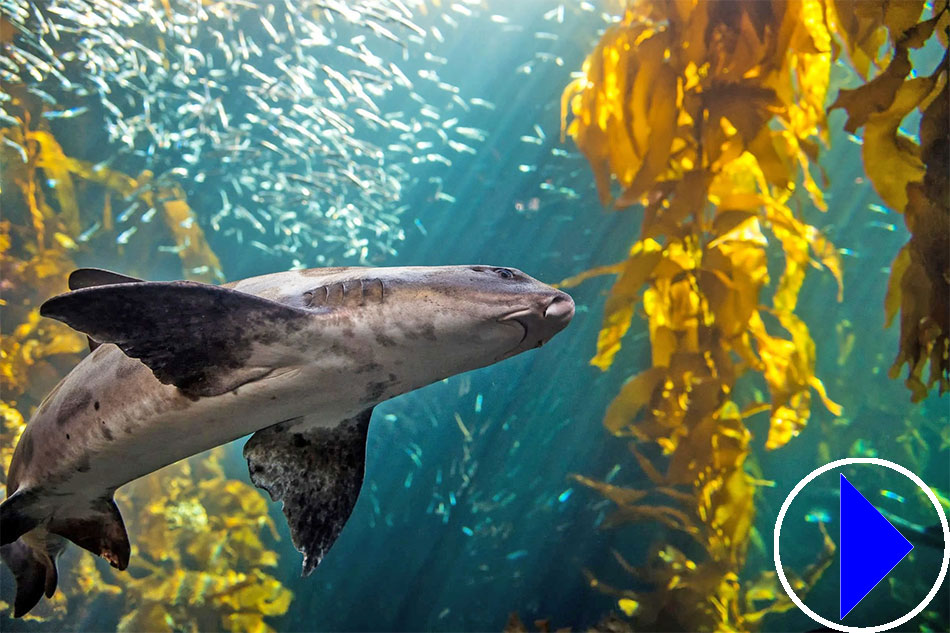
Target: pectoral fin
(317,472)
(198,337)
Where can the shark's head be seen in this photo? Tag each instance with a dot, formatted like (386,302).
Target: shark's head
(500,311)
(471,316)
(425,323)
(436,321)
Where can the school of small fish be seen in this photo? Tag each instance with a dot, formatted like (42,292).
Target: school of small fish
(288,108)
(297,127)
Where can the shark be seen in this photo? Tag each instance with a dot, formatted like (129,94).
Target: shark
(296,359)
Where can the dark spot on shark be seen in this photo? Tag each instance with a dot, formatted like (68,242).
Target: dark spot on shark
(348,332)
(72,405)
(84,466)
(128,430)
(375,391)
(299,440)
(368,367)
(67,436)
(95,405)
(385,341)
(428,332)
(336,348)
(126,368)
(191,396)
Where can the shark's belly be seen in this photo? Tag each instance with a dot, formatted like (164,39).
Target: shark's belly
(111,421)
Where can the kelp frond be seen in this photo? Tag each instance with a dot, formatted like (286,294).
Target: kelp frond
(910,176)
(710,114)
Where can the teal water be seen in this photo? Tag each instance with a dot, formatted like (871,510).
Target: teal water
(455,533)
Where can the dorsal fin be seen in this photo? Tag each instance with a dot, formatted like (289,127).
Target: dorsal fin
(198,337)
(90,277)
(317,472)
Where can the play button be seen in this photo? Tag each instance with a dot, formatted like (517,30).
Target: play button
(870,547)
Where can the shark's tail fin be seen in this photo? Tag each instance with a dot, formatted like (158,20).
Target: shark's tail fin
(99,529)
(35,573)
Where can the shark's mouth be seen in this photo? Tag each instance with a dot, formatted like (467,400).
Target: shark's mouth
(540,323)
(520,318)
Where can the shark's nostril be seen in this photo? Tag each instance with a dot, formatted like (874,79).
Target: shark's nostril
(561,307)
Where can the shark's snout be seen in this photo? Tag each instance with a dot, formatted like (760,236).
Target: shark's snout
(554,318)
(560,309)
(542,321)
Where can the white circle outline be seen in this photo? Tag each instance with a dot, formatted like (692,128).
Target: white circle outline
(943,523)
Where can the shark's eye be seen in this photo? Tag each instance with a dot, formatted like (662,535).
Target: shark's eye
(504,273)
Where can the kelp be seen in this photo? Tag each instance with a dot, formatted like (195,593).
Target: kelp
(35,256)
(701,588)
(711,115)
(202,542)
(199,557)
(910,176)
(720,185)
(765,594)
(198,259)
(33,351)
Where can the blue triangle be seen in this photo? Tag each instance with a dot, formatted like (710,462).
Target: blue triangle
(870,547)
